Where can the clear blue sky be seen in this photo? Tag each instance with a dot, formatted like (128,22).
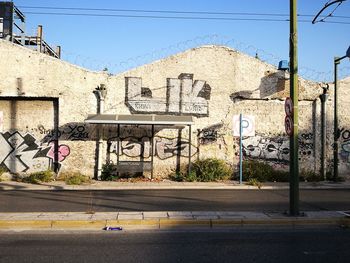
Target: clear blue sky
(98,42)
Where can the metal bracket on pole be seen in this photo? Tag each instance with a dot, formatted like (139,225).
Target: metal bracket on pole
(240,148)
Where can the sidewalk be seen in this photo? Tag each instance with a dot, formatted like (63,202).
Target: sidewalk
(163,220)
(166,184)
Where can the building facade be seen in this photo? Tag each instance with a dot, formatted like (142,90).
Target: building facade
(44,103)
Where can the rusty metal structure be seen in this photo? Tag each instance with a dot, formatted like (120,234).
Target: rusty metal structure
(12,28)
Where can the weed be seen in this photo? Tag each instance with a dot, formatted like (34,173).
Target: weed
(205,170)
(177,176)
(309,176)
(256,170)
(263,172)
(108,172)
(3,170)
(74,178)
(39,177)
(211,169)
(254,182)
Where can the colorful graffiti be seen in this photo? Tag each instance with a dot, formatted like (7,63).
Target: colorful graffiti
(164,148)
(345,145)
(183,96)
(22,153)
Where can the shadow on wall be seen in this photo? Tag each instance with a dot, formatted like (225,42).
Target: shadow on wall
(272,85)
(130,142)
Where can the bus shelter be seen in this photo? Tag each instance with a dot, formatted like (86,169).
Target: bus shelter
(145,119)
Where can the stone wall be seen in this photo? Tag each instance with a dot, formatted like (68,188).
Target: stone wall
(212,83)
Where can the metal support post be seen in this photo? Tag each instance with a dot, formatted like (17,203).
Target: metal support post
(240,148)
(189,150)
(323,99)
(152,149)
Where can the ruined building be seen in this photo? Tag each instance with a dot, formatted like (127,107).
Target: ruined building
(158,115)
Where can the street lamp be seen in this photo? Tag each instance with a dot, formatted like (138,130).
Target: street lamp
(336,135)
(101,94)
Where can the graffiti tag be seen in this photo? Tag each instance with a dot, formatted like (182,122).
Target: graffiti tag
(22,153)
(164,148)
(183,96)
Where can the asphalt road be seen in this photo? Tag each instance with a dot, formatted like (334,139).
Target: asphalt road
(170,200)
(282,245)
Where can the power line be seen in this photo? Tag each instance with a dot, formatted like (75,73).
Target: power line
(153,11)
(180,17)
(161,17)
(170,11)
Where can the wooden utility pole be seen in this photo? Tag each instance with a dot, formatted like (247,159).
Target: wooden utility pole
(294,94)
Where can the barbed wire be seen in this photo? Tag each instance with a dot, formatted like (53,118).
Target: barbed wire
(158,54)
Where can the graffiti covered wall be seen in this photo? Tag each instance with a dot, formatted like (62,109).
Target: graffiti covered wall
(276,149)
(211,83)
(21,153)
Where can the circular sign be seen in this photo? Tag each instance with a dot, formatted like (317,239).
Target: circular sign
(288,124)
(288,107)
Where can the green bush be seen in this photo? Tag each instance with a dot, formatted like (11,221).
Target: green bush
(263,172)
(206,170)
(211,169)
(39,177)
(279,176)
(177,176)
(256,170)
(108,172)
(310,176)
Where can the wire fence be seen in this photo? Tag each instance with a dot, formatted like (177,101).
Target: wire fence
(157,54)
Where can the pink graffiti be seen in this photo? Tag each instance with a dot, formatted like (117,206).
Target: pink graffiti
(63,152)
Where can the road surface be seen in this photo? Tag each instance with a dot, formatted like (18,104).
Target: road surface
(171,200)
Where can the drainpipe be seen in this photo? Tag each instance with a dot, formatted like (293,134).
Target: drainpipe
(100,93)
(323,98)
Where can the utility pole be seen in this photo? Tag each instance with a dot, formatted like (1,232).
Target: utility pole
(335,148)
(294,94)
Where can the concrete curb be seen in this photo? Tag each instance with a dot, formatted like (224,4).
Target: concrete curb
(18,222)
(60,186)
